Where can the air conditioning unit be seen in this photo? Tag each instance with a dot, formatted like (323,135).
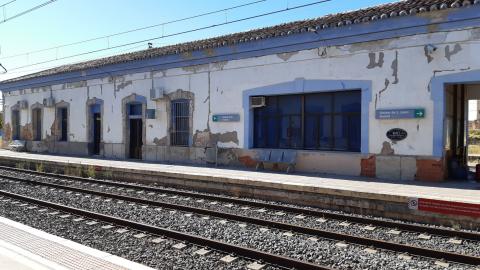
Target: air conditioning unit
(257,102)
(157,93)
(49,102)
(23,104)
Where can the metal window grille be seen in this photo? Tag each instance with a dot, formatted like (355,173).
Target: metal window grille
(180,132)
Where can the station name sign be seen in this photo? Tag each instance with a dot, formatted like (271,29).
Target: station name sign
(226,117)
(400,114)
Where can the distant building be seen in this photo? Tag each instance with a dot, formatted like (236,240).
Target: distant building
(375,92)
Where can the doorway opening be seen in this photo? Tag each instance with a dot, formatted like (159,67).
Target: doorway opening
(462,129)
(135,127)
(96,128)
(15,125)
(37,124)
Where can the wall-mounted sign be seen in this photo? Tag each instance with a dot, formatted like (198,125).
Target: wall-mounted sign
(397,134)
(400,114)
(226,117)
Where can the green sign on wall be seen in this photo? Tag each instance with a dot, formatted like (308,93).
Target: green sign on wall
(400,114)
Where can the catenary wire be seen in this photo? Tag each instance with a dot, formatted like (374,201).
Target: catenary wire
(104,55)
(27,11)
(2,5)
(176,34)
(135,29)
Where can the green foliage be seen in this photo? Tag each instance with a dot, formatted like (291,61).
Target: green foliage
(474,134)
(90,172)
(108,175)
(39,167)
(20,165)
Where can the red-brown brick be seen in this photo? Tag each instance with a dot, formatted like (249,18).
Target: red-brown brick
(430,170)
(368,167)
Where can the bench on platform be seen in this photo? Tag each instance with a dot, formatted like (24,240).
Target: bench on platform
(287,157)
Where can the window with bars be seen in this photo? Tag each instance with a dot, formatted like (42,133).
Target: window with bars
(319,121)
(180,126)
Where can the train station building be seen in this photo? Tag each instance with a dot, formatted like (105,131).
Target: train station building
(379,92)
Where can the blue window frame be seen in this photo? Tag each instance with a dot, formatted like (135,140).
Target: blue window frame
(135,109)
(319,121)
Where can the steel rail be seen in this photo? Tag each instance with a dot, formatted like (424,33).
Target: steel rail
(419,251)
(310,212)
(254,254)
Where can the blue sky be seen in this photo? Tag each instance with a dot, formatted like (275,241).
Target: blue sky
(67,21)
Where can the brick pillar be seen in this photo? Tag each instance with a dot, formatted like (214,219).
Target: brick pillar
(430,170)
(368,167)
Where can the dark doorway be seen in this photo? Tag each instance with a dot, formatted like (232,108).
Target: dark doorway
(63,115)
(16,125)
(135,124)
(456,116)
(136,127)
(97,126)
(37,124)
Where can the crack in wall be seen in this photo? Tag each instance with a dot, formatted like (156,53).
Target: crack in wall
(395,68)
(387,83)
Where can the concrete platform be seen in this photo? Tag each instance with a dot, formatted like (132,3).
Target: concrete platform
(25,248)
(443,203)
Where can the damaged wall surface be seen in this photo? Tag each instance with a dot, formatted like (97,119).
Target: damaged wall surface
(399,69)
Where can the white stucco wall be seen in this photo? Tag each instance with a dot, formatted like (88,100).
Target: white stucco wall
(218,87)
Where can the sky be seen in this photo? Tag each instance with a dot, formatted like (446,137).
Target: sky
(68,21)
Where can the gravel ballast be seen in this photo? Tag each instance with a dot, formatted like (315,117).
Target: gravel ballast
(142,250)
(321,251)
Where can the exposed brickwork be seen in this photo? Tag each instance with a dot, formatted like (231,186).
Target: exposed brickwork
(430,170)
(368,167)
(247,161)
(8,132)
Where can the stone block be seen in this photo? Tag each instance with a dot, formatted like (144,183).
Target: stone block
(408,168)
(388,167)
(329,162)
(149,152)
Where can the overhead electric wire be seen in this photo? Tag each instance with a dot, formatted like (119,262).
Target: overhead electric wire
(136,29)
(2,5)
(3,68)
(27,11)
(178,33)
(80,61)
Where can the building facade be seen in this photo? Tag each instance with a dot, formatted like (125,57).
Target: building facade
(375,92)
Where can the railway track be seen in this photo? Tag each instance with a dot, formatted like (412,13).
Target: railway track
(453,257)
(419,251)
(298,210)
(282,261)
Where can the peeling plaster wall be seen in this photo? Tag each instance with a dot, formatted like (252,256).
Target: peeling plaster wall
(400,70)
